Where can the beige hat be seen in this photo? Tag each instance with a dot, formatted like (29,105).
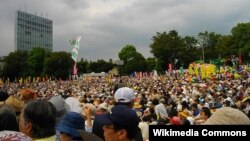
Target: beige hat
(15,102)
(228,116)
(103,105)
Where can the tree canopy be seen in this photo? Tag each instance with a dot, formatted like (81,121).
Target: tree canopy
(166,47)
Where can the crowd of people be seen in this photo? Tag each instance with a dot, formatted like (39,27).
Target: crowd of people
(121,108)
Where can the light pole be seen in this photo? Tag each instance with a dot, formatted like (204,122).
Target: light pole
(202,40)
(203,55)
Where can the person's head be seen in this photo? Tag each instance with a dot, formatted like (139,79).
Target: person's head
(124,96)
(102,108)
(3,95)
(228,116)
(194,107)
(155,102)
(70,125)
(38,119)
(175,121)
(226,103)
(8,119)
(60,106)
(205,112)
(173,113)
(27,94)
(92,109)
(15,102)
(186,122)
(73,105)
(120,123)
(118,85)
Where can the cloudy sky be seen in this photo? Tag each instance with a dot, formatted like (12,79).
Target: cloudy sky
(106,26)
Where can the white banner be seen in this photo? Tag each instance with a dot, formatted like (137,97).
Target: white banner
(75,44)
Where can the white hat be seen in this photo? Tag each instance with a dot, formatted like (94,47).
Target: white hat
(60,105)
(73,105)
(124,95)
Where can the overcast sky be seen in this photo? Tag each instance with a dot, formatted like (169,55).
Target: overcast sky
(106,26)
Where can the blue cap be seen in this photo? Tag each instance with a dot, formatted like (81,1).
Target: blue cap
(71,123)
(120,115)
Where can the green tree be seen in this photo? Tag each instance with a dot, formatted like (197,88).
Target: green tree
(15,65)
(224,46)
(151,62)
(166,47)
(190,52)
(36,61)
(127,53)
(241,39)
(133,60)
(82,66)
(138,63)
(99,66)
(59,65)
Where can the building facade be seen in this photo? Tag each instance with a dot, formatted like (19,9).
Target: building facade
(32,31)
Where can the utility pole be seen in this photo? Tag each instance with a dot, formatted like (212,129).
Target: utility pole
(202,40)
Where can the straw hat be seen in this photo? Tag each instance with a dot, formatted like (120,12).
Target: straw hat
(184,114)
(15,102)
(228,116)
(137,105)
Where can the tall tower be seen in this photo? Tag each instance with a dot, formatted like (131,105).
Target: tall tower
(32,31)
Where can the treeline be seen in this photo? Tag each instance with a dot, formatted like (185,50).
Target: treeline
(166,47)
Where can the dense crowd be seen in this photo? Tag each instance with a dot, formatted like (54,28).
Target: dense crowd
(92,105)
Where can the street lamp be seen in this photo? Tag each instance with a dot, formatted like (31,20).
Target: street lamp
(203,55)
(202,40)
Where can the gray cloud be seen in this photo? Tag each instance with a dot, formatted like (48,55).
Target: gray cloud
(106,26)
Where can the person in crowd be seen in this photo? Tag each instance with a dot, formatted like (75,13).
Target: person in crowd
(8,119)
(205,113)
(195,110)
(70,126)
(13,136)
(27,94)
(102,108)
(38,120)
(97,127)
(121,124)
(123,96)
(60,106)
(88,112)
(160,110)
(3,95)
(175,121)
(15,102)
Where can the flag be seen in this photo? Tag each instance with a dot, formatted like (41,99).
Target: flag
(175,61)
(74,70)
(170,68)
(181,69)
(74,54)
(155,73)
(75,44)
(240,59)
